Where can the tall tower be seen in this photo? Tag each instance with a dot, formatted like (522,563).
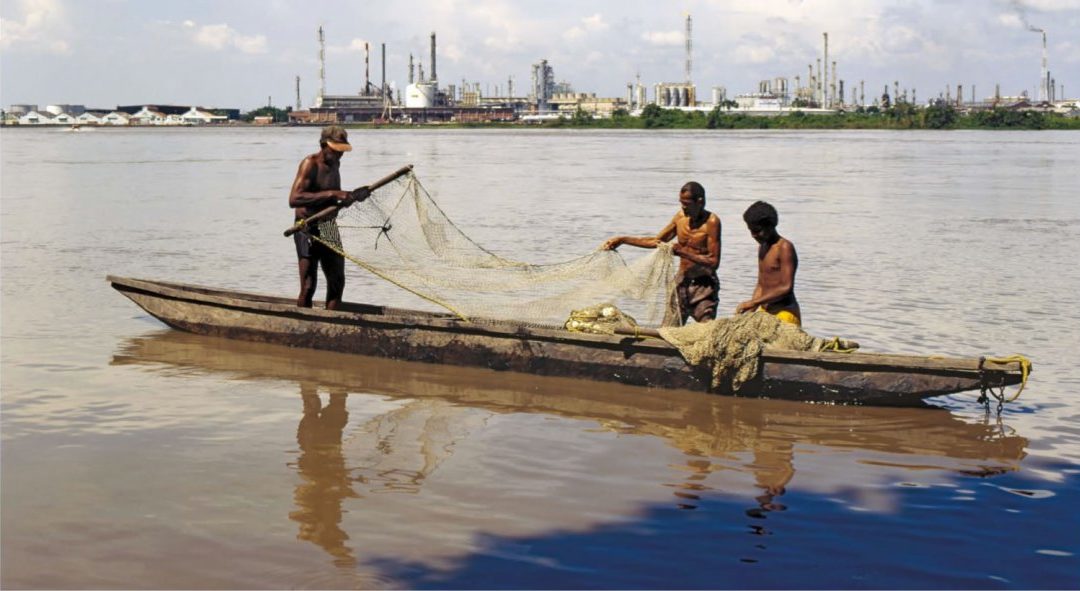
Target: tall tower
(1044,86)
(322,68)
(825,80)
(434,75)
(298,107)
(689,49)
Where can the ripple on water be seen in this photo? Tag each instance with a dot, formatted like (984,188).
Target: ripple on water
(1027,493)
(1050,552)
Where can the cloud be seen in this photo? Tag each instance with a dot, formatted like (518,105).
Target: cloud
(42,27)
(754,54)
(1011,20)
(222,37)
(589,24)
(355,45)
(664,37)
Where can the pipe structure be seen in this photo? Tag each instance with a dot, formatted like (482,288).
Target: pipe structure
(434,75)
(832,87)
(819,87)
(1045,71)
(689,47)
(825,98)
(322,66)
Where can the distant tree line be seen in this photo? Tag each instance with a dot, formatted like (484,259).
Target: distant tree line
(278,115)
(901,115)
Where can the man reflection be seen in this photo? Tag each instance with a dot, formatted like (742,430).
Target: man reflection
(774,467)
(324,478)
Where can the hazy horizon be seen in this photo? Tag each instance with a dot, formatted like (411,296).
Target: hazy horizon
(103,53)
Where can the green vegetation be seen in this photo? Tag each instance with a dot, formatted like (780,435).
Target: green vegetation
(279,115)
(897,116)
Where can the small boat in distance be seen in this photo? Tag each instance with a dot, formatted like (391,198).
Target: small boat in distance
(411,335)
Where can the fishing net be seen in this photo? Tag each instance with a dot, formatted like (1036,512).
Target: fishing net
(731,347)
(401,235)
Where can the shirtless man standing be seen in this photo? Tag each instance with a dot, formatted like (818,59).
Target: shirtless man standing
(317,186)
(777,263)
(698,247)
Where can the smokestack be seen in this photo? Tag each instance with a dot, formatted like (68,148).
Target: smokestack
(862,94)
(367,78)
(819,88)
(434,76)
(382,89)
(322,67)
(1045,72)
(298,107)
(959,95)
(825,81)
(832,87)
(411,69)
(689,47)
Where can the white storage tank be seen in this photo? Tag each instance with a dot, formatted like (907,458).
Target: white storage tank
(420,95)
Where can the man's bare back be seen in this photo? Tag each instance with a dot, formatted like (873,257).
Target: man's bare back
(777,264)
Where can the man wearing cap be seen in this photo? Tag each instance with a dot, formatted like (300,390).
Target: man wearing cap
(317,186)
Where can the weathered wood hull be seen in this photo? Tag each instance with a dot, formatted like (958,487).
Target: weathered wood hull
(856,378)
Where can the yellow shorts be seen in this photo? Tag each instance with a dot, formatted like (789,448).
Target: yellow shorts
(784,316)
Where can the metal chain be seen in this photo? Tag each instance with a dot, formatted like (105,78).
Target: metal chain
(986,388)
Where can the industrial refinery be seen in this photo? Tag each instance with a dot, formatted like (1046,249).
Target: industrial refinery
(823,87)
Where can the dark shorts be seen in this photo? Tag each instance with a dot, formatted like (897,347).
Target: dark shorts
(307,247)
(698,297)
(316,254)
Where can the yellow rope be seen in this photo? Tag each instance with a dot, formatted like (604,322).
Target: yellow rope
(834,345)
(1025,369)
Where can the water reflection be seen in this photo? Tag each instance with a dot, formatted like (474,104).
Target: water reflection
(325,481)
(421,413)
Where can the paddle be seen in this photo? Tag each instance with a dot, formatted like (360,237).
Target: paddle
(300,225)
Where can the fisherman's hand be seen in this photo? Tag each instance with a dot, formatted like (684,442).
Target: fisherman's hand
(344,198)
(361,194)
(743,307)
(612,243)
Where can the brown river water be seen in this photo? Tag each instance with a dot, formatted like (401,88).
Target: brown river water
(135,456)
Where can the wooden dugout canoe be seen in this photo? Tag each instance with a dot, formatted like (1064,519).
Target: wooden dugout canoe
(378,331)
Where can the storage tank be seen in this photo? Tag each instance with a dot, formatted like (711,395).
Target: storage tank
(684,100)
(420,95)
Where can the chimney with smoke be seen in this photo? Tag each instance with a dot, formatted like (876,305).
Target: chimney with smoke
(434,76)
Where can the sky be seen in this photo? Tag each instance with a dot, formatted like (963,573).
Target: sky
(246,53)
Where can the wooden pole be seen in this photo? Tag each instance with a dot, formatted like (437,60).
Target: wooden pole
(300,225)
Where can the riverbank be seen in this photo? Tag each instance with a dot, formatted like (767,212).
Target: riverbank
(900,117)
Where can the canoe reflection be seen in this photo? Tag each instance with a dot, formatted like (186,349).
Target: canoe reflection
(426,410)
